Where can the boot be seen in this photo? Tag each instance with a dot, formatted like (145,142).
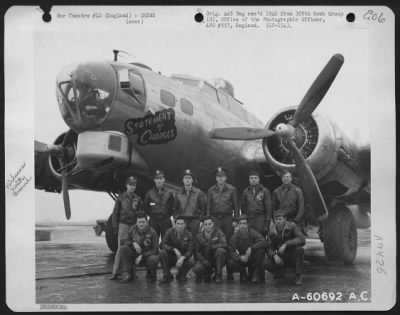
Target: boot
(262,275)
(199,279)
(114,276)
(243,276)
(134,275)
(167,278)
(152,276)
(218,278)
(278,274)
(229,274)
(299,279)
(256,278)
(181,278)
(126,277)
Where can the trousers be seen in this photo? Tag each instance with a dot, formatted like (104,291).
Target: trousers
(215,261)
(293,257)
(168,260)
(129,255)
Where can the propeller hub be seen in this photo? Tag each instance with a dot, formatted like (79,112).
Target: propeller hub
(285,131)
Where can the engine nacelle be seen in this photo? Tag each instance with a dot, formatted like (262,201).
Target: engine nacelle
(95,147)
(332,156)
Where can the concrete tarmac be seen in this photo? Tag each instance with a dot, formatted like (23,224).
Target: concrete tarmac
(74,267)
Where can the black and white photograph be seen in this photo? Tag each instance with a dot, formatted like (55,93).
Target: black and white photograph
(200,158)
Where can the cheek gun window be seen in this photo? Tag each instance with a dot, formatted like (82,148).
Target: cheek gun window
(186,106)
(167,98)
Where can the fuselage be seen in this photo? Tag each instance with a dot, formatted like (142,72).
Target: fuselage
(198,107)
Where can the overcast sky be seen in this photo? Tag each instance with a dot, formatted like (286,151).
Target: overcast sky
(269,70)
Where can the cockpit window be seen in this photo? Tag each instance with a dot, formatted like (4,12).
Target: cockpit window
(85,94)
(137,87)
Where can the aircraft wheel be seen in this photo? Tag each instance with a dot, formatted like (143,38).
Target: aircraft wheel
(111,237)
(340,236)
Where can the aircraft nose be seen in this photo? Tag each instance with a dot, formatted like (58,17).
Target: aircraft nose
(85,94)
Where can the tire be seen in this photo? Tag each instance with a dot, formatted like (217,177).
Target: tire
(340,236)
(111,237)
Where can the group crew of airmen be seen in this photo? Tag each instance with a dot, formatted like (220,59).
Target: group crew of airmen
(266,235)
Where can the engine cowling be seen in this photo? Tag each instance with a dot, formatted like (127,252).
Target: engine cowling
(67,141)
(333,158)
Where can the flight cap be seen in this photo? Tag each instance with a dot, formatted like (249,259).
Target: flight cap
(221,171)
(159,173)
(131,180)
(187,172)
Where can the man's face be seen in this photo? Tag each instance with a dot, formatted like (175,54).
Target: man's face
(243,225)
(187,180)
(254,180)
(208,225)
(280,221)
(159,181)
(286,179)
(141,223)
(221,179)
(131,187)
(180,225)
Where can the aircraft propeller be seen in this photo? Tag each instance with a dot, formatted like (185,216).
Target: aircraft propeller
(60,152)
(287,133)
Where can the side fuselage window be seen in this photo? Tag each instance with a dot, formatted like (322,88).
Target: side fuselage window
(186,106)
(167,98)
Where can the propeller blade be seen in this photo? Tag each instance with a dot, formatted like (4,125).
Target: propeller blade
(317,90)
(241,133)
(67,205)
(308,181)
(40,146)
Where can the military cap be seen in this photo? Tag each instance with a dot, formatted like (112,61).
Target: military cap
(207,217)
(254,173)
(131,180)
(243,217)
(188,173)
(159,173)
(279,213)
(221,171)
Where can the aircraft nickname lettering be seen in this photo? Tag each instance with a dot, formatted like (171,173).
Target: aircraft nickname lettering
(153,128)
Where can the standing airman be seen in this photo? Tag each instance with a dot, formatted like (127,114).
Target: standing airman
(190,203)
(256,204)
(158,205)
(124,217)
(289,198)
(222,203)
